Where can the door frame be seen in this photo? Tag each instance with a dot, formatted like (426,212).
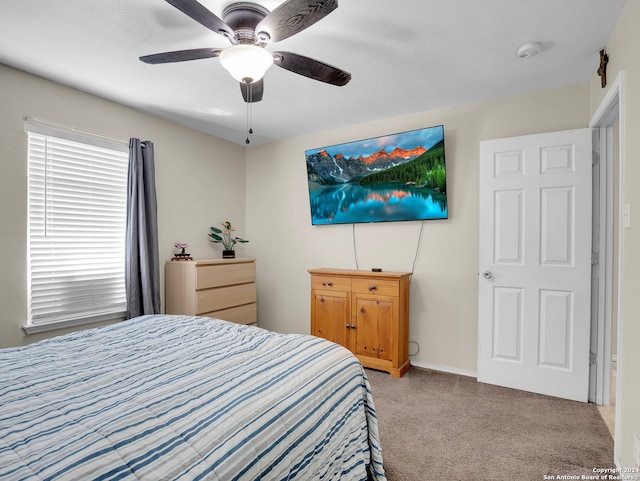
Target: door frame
(610,111)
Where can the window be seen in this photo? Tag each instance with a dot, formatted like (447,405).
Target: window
(77,214)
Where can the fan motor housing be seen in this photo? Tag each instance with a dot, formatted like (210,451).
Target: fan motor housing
(243,17)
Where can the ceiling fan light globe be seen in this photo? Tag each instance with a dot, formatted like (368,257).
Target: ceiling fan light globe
(246,63)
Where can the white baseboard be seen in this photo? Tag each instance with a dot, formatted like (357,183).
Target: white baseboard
(450,370)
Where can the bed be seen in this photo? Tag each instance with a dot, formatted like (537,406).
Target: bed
(185,398)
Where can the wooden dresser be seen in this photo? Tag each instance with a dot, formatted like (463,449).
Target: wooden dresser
(366,312)
(222,288)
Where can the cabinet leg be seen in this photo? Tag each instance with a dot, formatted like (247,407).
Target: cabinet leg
(401,371)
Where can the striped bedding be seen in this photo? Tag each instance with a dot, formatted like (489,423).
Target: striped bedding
(185,398)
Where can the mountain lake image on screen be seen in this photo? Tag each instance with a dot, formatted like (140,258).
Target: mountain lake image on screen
(397,177)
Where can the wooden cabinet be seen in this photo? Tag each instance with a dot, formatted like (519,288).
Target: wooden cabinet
(221,288)
(366,312)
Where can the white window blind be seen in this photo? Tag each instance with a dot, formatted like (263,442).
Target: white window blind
(77,213)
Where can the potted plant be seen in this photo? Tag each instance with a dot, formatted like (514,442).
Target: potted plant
(223,236)
(182,255)
(182,246)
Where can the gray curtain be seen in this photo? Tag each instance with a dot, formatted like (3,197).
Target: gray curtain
(142,268)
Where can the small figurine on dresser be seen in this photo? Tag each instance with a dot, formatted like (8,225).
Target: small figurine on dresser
(182,255)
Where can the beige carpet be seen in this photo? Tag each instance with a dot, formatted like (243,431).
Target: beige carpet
(438,426)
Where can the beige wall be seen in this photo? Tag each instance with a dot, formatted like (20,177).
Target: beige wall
(623,49)
(195,174)
(444,292)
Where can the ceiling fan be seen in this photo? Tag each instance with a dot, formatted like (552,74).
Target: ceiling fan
(250,27)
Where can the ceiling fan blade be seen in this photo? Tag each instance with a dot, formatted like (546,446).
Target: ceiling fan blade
(292,17)
(252,92)
(181,55)
(314,69)
(202,15)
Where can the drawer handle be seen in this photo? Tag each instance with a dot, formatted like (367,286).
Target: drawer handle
(372,288)
(327,284)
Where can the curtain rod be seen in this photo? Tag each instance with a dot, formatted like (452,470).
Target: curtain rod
(36,120)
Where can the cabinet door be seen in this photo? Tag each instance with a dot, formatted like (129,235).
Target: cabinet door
(375,318)
(330,316)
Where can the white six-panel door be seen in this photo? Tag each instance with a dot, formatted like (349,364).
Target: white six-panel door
(535,263)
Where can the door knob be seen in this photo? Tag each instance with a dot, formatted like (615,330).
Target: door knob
(487,274)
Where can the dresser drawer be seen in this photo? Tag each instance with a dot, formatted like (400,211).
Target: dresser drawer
(210,300)
(216,275)
(333,283)
(245,314)
(380,287)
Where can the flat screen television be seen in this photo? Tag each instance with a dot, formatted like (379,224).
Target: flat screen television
(397,177)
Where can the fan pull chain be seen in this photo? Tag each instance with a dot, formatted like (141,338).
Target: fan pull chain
(248,108)
(249,119)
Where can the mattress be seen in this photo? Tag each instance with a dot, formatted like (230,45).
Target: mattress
(185,398)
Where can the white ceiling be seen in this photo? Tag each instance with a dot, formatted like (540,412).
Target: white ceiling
(405,56)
